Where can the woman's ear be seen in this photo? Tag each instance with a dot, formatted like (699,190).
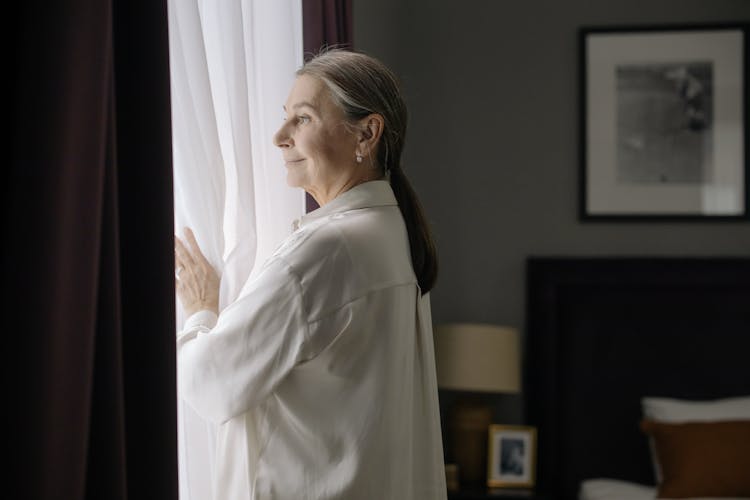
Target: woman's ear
(371,129)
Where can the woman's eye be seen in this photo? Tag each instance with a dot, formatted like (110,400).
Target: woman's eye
(303,119)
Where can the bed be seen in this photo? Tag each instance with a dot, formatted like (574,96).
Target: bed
(603,333)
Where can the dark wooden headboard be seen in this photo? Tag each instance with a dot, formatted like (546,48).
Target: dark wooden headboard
(603,332)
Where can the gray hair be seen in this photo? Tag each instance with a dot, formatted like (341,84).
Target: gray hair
(361,85)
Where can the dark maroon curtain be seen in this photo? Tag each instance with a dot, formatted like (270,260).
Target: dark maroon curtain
(87,258)
(325,23)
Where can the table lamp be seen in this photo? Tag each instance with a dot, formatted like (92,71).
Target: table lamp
(475,358)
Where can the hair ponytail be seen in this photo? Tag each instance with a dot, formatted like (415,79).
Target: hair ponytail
(423,250)
(362,85)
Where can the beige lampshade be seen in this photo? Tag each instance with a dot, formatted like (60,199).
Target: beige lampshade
(477,357)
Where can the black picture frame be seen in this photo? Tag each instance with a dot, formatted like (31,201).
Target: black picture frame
(663,123)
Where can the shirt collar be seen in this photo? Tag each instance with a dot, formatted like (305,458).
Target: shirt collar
(366,195)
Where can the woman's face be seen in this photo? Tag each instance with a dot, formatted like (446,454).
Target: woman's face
(318,145)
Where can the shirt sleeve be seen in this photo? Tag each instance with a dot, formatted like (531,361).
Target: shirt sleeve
(227,368)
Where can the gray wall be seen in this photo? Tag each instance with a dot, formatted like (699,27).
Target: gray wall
(492,88)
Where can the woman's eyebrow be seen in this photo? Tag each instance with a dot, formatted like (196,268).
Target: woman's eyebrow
(303,104)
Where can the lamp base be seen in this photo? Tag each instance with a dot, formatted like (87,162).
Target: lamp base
(468,426)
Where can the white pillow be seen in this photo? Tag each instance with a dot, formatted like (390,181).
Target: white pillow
(609,489)
(678,411)
(615,489)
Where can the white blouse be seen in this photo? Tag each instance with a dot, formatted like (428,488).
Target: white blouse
(322,373)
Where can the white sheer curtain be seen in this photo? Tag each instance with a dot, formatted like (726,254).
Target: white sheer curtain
(232,64)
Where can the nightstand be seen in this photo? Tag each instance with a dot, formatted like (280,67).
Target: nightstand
(495,494)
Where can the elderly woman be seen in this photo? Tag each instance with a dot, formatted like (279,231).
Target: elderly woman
(321,374)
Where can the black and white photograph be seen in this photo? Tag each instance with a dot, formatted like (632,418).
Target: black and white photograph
(512,455)
(511,460)
(651,144)
(664,123)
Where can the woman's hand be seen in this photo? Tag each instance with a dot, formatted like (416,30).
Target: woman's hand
(196,281)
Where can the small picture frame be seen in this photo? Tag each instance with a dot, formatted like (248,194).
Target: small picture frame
(664,135)
(511,462)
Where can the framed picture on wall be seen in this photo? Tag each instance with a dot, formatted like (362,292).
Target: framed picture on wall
(511,460)
(664,127)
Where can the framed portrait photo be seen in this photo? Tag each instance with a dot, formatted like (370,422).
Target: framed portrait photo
(511,461)
(664,125)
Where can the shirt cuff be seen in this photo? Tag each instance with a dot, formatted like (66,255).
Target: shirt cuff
(204,318)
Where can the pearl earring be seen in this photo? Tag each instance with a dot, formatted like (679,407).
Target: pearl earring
(359,158)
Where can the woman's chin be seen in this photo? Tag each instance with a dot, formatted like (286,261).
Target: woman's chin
(293,180)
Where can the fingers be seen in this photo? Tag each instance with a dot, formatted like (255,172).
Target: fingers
(196,282)
(195,249)
(182,257)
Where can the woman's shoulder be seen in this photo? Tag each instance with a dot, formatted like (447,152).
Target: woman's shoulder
(361,245)
(320,241)
(333,230)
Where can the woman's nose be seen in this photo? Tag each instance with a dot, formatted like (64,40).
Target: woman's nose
(281,137)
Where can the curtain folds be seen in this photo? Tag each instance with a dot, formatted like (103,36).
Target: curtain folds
(232,66)
(87,262)
(327,23)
